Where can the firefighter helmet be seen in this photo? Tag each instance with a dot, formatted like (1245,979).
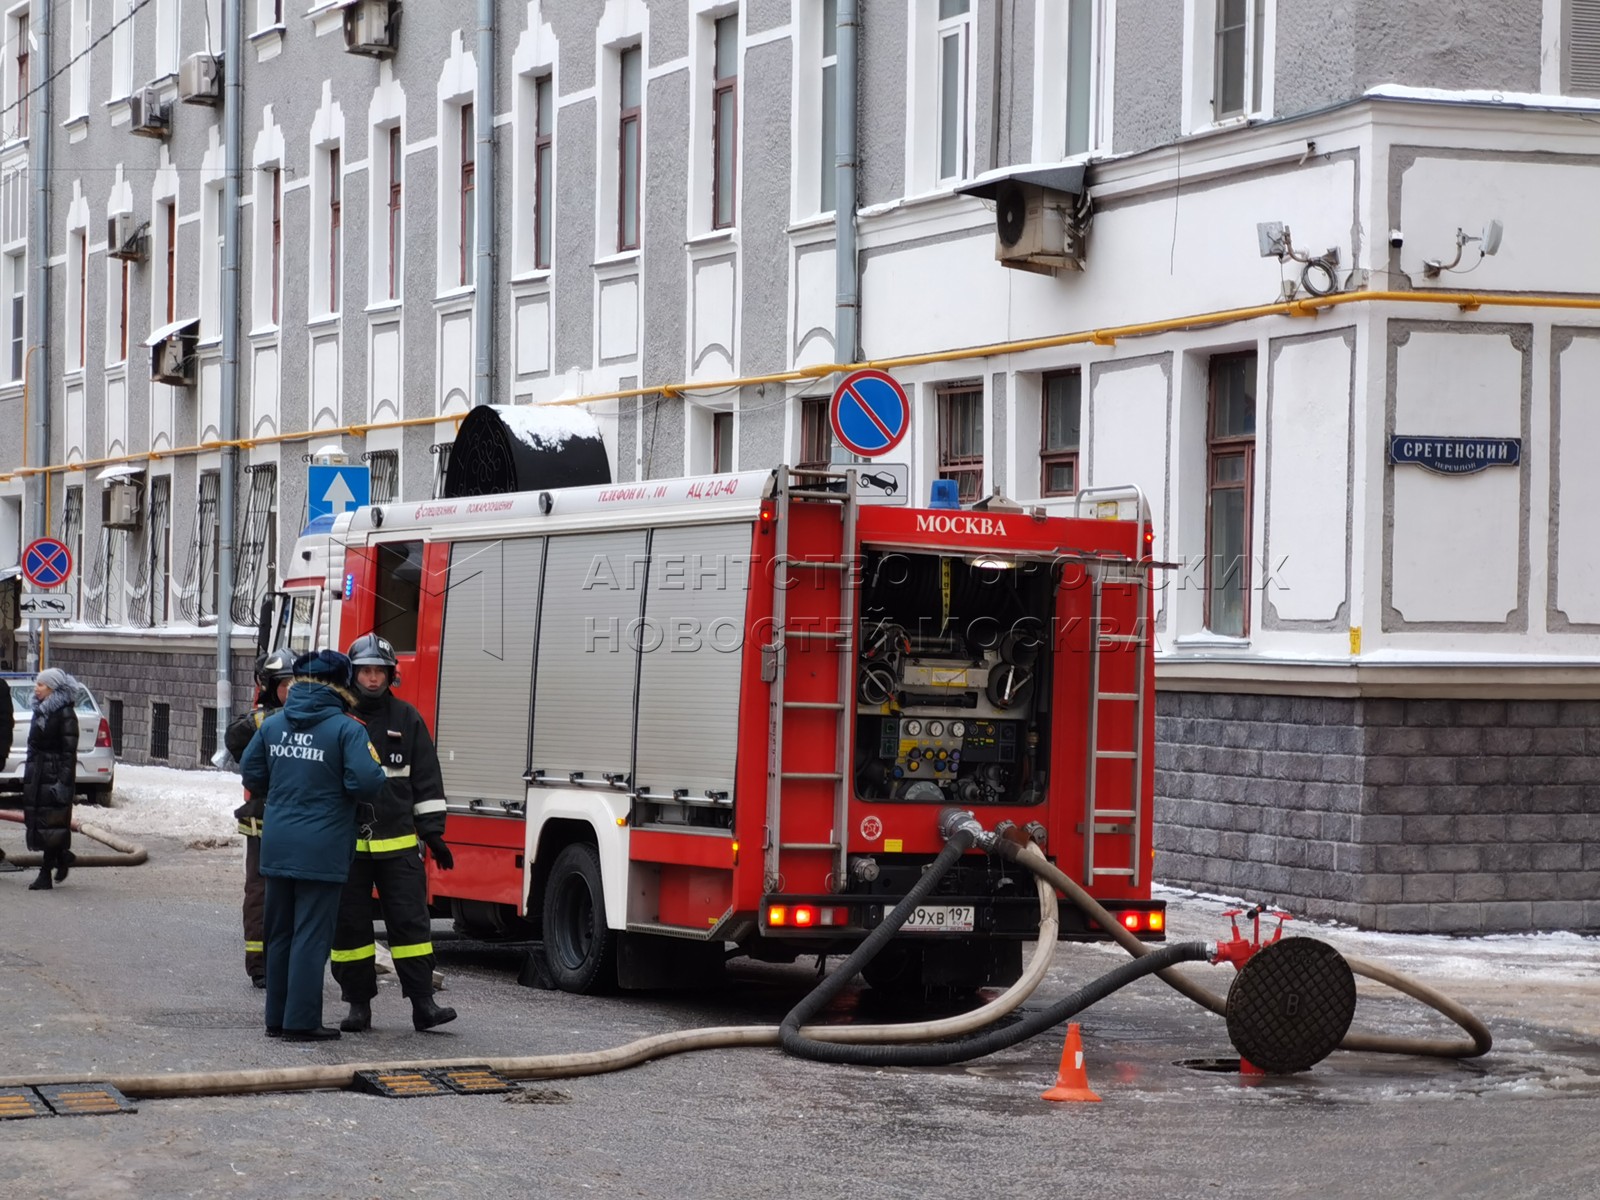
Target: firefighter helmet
(273,666)
(370,650)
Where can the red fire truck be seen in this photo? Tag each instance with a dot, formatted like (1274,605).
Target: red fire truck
(685,718)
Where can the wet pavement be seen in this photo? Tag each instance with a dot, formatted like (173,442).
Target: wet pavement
(138,970)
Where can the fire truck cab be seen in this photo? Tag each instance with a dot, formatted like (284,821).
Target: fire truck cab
(685,718)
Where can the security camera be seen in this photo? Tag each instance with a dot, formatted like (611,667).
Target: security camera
(1396,238)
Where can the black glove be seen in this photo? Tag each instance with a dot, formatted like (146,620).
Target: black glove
(440,851)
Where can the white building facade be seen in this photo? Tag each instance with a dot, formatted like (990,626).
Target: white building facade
(1367,464)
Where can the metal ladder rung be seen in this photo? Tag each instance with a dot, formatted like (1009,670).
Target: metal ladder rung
(832,776)
(808,565)
(816,705)
(808,845)
(1122,639)
(1127,813)
(1128,871)
(1116,754)
(1116,695)
(817,634)
(795,494)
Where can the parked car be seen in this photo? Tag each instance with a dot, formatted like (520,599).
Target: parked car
(97,764)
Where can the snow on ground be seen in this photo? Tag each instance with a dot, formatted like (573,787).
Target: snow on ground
(197,807)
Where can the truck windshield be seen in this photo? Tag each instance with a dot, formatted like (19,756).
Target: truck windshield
(296,623)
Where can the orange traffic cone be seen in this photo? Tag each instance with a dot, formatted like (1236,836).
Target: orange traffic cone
(1072,1082)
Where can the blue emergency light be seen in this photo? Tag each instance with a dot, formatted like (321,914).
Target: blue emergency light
(946,494)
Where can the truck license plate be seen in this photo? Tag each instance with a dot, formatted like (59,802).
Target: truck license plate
(941,918)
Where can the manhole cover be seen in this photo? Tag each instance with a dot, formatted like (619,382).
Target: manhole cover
(203,1020)
(1290,1005)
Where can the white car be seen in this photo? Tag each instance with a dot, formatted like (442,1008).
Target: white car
(97,764)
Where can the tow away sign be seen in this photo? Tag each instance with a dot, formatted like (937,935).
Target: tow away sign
(46,606)
(883,483)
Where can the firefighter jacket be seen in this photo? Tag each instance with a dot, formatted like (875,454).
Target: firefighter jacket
(313,763)
(237,739)
(412,806)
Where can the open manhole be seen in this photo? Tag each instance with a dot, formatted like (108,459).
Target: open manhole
(1220,1066)
(202,1020)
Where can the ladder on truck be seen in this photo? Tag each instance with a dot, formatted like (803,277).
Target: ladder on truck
(1103,817)
(787,715)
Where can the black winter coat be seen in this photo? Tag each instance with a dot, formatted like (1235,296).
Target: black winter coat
(412,806)
(50,779)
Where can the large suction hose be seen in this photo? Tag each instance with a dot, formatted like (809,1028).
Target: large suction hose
(128,854)
(1480,1038)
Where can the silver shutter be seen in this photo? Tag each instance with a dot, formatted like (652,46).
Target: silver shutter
(587,662)
(486,667)
(690,657)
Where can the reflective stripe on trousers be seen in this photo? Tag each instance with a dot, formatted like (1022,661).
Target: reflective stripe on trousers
(360,952)
(416,951)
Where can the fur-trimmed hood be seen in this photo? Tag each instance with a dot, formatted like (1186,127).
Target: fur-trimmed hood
(312,700)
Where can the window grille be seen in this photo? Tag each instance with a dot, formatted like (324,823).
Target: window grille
(197,595)
(160,730)
(252,563)
(150,590)
(961,439)
(385,481)
(208,735)
(441,467)
(1580,45)
(107,579)
(114,719)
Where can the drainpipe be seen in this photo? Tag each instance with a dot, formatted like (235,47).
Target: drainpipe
(38,519)
(483,197)
(233,139)
(847,279)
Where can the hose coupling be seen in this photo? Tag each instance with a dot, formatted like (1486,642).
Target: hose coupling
(953,820)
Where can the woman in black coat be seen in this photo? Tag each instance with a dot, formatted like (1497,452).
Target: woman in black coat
(50,779)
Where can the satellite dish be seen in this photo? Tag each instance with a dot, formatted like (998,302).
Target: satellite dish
(1010,212)
(1491,237)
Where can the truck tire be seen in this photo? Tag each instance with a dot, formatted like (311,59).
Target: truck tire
(580,947)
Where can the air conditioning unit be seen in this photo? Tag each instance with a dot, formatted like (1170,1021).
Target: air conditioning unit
(148,115)
(172,360)
(200,80)
(372,27)
(126,238)
(1038,229)
(119,505)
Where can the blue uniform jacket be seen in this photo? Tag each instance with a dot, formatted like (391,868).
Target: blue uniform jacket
(313,762)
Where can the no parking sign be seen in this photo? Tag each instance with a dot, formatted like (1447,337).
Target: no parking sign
(869,412)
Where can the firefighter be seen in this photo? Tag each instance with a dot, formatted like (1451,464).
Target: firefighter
(388,855)
(274,672)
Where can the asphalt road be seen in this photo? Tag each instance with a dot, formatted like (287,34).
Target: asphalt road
(138,970)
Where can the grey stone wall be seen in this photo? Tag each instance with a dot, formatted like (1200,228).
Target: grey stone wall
(1445,816)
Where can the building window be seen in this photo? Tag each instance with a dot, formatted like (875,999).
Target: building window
(17,311)
(160,730)
(724,122)
(122,46)
(19,95)
(721,443)
(544,136)
(275,188)
(212,255)
(1061,412)
(1237,65)
(114,719)
(441,467)
(335,223)
(628,117)
(257,543)
(78,71)
(170,223)
(385,468)
(961,438)
(197,600)
(78,299)
(816,434)
(167,35)
(955,41)
(396,208)
(469,213)
(123,306)
(829,142)
(151,594)
(72,534)
(208,734)
(1230,475)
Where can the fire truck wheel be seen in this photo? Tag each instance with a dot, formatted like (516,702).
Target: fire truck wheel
(581,949)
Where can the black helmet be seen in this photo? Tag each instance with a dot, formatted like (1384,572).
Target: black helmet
(273,666)
(370,650)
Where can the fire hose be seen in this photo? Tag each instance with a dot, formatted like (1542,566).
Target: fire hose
(128,854)
(835,1043)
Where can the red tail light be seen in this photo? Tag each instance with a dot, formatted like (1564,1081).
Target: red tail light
(102,737)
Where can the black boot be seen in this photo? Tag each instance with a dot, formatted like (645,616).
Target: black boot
(425,1014)
(7,866)
(64,863)
(359,1019)
(41,884)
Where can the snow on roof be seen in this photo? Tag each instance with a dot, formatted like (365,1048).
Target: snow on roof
(547,426)
(1399,91)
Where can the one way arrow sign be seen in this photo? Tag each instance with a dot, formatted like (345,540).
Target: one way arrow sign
(333,490)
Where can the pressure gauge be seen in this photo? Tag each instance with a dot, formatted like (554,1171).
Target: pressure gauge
(911,728)
(958,729)
(935,728)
